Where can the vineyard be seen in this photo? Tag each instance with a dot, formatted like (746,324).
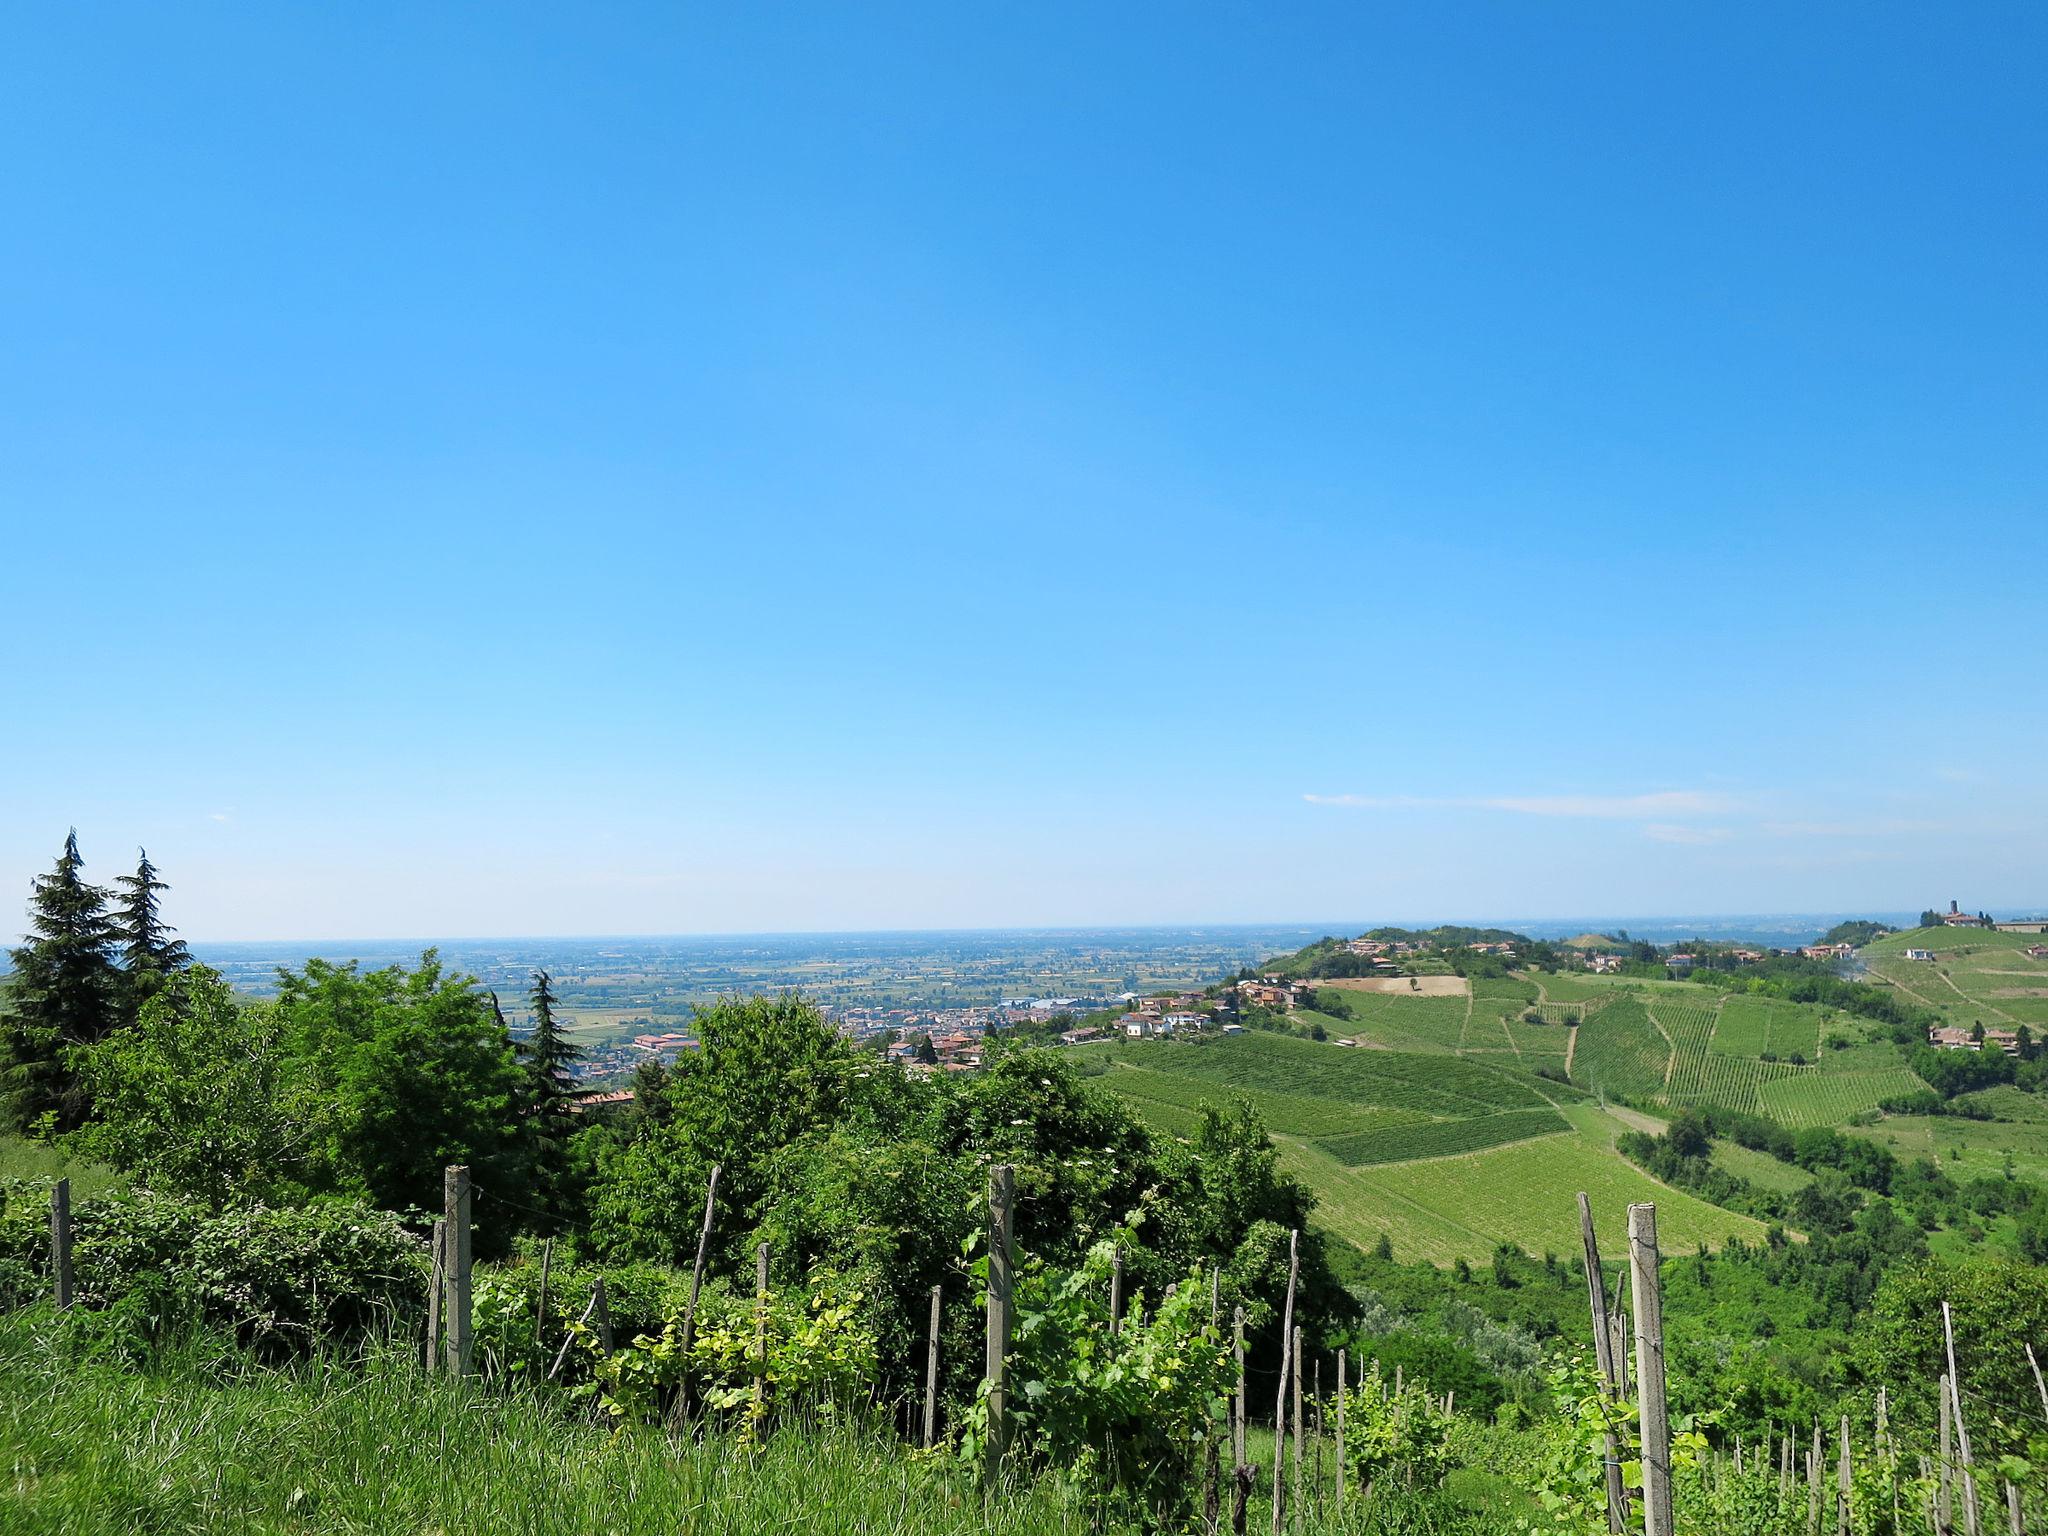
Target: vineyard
(1442,1138)
(1288,1114)
(1398,1020)
(1463,1207)
(1436,1085)
(1620,1051)
(1829,1098)
(1726,1082)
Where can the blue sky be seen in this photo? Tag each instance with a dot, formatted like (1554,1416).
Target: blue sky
(655,468)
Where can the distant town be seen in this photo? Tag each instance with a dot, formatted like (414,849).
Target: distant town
(957,1038)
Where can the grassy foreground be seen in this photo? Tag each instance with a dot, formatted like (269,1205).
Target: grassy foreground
(201,1440)
(199,1444)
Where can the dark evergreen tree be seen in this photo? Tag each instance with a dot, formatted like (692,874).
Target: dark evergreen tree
(150,948)
(550,1055)
(66,994)
(559,1178)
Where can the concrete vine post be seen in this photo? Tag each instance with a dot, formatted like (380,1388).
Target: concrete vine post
(455,1212)
(1002,1207)
(1647,1293)
(1239,1406)
(601,1299)
(60,1244)
(931,1374)
(760,1332)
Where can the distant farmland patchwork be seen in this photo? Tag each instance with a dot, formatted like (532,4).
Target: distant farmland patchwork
(1447,1156)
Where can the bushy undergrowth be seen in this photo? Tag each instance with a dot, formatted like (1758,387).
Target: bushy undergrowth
(277,1279)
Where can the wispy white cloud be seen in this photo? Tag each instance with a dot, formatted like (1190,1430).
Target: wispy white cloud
(1660,804)
(1671,832)
(1889,826)
(219,816)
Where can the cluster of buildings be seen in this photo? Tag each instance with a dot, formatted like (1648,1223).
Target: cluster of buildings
(1954,917)
(1828,952)
(1273,992)
(1954,1038)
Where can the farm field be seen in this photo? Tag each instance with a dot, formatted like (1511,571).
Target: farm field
(1830,1098)
(1448,1155)
(1357,1107)
(1964,1149)
(1760,1168)
(1461,1207)
(1399,1020)
(1977,975)
(1288,1114)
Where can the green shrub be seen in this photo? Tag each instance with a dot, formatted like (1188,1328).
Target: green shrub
(278,1279)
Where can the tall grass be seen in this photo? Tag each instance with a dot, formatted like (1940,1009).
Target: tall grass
(198,1438)
(207,1442)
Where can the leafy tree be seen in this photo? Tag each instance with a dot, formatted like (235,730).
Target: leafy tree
(1996,1304)
(407,1073)
(199,1097)
(64,997)
(150,948)
(769,1071)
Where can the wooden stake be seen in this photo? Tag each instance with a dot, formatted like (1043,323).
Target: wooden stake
(540,1302)
(1955,1398)
(931,1375)
(1315,1480)
(1646,1286)
(1116,1291)
(455,1207)
(1813,1489)
(60,1244)
(1842,1483)
(1299,1427)
(697,1269)
(1280,1407)
(1945,1499)
(601,1297)
(2040,1386)
(1341,1369)
(1212,1483)
(569,1335)
(437,1282)
(2013,1518)
(1002,1201)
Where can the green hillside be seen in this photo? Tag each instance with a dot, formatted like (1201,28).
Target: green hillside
(1445,1156)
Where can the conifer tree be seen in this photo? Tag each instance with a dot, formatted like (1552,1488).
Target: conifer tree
(549,1053)
(150,949)
(65,995)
